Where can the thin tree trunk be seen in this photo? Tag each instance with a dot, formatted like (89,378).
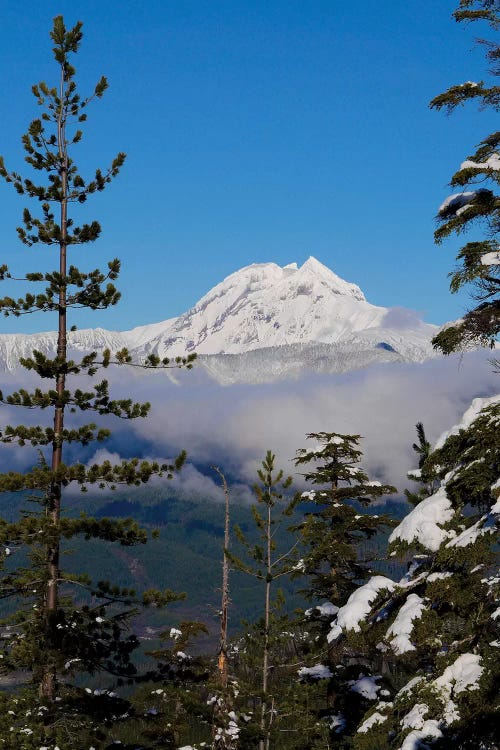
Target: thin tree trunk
(264,741)
(222,653)
(48,683)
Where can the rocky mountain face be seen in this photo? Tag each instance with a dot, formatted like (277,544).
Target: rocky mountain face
(261,323)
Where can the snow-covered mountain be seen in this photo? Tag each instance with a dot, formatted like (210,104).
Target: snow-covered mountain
(263,322)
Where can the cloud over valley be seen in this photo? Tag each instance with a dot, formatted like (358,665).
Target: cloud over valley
(232,426)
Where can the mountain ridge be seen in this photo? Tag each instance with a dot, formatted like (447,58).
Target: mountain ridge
(265,307)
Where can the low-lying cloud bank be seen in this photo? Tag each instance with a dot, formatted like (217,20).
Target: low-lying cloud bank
(233,426)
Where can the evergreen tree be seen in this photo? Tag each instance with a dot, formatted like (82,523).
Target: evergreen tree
(334,529)
(64,623)
(425,474)
(174,702)
(479,260)
(268,564)
(293,700)
(439,624)
(333,533)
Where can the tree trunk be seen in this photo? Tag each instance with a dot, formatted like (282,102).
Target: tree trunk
(264,741)
(49,678)
(222,653)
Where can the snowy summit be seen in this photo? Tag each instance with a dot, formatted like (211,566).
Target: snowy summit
(265,305)
(283,310)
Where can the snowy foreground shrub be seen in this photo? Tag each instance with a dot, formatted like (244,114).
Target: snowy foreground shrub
(435,632)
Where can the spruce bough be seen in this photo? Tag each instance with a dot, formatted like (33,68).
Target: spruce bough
(479,260)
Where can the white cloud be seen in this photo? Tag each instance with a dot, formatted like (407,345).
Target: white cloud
(402,318)
(233,426)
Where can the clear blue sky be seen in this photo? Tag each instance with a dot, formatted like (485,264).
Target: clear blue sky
(256,130)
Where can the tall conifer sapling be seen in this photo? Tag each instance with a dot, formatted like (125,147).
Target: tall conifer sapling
(268,564)
(55,635)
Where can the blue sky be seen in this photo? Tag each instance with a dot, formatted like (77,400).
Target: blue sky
(256,130)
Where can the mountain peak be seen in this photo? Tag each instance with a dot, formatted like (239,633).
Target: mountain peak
(265,305)
(260,306)
(328,278)
(314,264)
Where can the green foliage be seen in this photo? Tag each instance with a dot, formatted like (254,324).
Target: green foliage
(473,10)
(267,563)
(438,625)
(333,529)
(426,475)
(295,703)
(478,261)
(333,533)
(176,699)
(261,559)
(82,718)
(63,627)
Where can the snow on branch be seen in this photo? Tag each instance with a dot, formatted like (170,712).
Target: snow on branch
(424,523)
(358,606)
(492,162)
(401,628)
(457,203)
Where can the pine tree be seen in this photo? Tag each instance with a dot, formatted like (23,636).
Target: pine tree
(440,622)
(425,474)
(267,564)
(479,260)
(294,721)
(64,623)
(333,533)
(334,529)
(174,701)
